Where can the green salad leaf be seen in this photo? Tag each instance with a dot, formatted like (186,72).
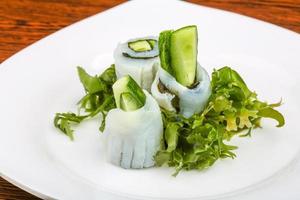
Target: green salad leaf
(91,84)
(198,142)
(269,112)
(98,99)
(64,122)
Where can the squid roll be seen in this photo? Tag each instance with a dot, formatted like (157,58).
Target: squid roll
(181,84)
(134,129)
(139,59)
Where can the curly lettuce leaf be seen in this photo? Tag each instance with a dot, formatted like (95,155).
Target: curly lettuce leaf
(198,142)
(269,112)
(91,84)
(98,99)
(64,121)
(237,106)
(191,143)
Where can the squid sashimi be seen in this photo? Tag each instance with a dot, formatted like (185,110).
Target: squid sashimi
(171,95)
(181,84)
(134,129)
(139,59)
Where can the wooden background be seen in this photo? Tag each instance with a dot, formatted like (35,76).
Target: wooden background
(23,22)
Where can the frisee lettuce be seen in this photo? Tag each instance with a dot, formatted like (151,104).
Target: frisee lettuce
(193,143)
(98,99)
(63,122)
(198,142)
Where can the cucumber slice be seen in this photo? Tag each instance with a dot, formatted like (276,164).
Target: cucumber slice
(140,45)
(127,85)
(128,102)
(152,43)
(140,48)
(164,50)
(183,53)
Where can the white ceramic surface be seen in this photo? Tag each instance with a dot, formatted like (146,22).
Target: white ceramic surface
(41,80)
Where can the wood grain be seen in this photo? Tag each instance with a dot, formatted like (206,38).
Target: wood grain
(285,13)
(23,22)
(11,192)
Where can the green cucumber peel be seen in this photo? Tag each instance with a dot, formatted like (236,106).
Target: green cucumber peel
(128,94)
(142,45)
(178,54)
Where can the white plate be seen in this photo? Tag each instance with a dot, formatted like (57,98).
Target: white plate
(41,80)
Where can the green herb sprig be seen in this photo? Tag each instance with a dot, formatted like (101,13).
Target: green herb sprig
(98,99)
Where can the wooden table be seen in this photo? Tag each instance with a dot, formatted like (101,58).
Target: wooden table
(23,22)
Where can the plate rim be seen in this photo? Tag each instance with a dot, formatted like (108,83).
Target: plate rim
(229,194)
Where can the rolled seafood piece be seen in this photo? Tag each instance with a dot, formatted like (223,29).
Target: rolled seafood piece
(181,84)
(138,58)
(135,128)
(173,96)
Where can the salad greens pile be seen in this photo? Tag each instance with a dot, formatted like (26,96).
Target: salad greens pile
(193,143)
(98,98)
(198,142)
